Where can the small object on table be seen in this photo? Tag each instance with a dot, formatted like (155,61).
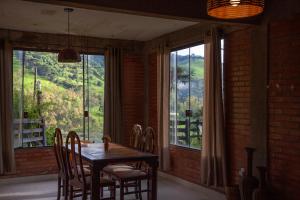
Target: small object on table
(106,140)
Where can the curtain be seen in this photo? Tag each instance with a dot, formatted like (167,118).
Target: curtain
(7,158)
(163,56)
(213,167)
(112,93)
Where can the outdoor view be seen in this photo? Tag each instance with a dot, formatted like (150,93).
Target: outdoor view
(48,94)
(186,96)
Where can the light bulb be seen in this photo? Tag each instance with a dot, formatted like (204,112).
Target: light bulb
(235,2)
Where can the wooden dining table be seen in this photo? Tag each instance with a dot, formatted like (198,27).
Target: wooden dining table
(97,158)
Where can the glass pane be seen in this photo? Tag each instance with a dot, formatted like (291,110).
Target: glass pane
(95,96)
(173,90)
(52,97)
(197,94)
(183,94)
(17,97)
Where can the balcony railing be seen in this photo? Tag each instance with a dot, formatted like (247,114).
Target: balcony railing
(29,133)
(185,131)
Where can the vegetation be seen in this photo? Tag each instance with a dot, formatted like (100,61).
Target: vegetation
(60,90)
(187,92)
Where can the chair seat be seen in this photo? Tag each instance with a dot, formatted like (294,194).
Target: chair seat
(129,174)
(104,181)
(112,168)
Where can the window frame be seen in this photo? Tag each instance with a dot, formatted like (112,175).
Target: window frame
(84,53)
(182,47)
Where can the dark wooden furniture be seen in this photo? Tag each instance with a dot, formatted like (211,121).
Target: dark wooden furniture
(61,164)
(133,177)
(77,174)
(95,155)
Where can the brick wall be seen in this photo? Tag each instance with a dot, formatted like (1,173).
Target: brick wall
(132,93)
(283,134)
(152,104)
(237,84)
(35,161)
(185,163)
(284,108)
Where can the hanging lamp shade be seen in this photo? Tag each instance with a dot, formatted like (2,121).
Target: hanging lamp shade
(234,9)
(68,55)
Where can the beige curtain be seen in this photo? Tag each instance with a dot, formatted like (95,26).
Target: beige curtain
(112,99)
(7,158)
(163,56)
(213,167)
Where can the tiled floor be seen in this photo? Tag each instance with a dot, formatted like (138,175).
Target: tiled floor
(44,188)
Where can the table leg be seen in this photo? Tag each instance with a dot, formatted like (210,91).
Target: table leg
(153,181)
(95,187)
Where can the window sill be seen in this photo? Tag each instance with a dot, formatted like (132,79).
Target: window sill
(184,147)
(23,148)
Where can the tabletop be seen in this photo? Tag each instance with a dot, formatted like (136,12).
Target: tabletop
(116,153)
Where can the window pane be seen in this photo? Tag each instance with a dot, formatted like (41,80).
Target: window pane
(173,90)
(183,94)
(55,92)
(197,94)
(95,96)
(17,97)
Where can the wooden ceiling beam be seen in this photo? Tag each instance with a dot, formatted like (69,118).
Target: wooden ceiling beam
(191,10)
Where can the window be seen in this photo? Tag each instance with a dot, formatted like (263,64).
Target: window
(186,96)
(48,94)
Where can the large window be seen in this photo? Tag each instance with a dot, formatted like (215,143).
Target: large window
(48,94)
(186,96)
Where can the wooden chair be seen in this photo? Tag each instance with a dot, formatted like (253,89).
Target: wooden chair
(61,164)
(78,180)
(141,171)
(134,142)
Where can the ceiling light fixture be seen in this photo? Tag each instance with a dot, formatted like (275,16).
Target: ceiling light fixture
(68,55)
(234,9)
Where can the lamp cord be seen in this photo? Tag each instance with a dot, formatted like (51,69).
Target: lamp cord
(68,29)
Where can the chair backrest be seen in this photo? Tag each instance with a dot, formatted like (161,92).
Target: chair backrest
(149,140)
(59,152)
(135,137)
(74,161)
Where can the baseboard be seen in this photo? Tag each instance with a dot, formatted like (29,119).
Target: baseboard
(28,179)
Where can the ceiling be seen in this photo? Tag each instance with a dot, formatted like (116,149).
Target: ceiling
(46,18)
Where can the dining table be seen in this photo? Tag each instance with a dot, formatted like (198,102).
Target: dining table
(97,158)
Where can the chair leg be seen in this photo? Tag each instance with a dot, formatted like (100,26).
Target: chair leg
(140,189)
(66,189)
(112,191)
(101,192)
(58,188)
(71,193)
(63,187)
(148,189)
(136,189)
(84,195)
(121,190)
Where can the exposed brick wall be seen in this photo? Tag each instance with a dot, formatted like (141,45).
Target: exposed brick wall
(237,85)
(152,105)
(35,161)
(132,93)
(185,163)
(284,108)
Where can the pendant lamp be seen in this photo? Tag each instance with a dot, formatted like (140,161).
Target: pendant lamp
(234,9)
(68,55)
